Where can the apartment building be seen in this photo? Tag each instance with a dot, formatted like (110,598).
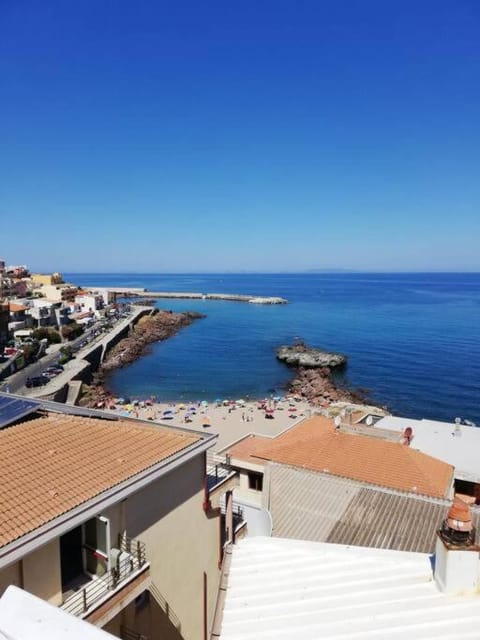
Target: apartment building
(109,519)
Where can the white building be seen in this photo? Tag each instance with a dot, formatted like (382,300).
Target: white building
(284,589)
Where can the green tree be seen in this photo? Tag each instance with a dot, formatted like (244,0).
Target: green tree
(72,330)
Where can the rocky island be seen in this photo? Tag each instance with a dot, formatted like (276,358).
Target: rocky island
(314,381)
(300,355)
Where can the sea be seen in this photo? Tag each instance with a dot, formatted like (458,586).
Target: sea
(412,339)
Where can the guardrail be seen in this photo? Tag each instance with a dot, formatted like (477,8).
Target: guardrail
(130,557)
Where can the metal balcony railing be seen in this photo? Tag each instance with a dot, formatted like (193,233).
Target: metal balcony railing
(126,560)
(216,471)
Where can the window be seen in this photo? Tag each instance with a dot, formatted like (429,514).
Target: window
(255,481)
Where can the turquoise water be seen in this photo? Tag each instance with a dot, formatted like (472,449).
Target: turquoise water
(413,340)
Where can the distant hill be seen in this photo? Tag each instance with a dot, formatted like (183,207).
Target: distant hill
(332,271)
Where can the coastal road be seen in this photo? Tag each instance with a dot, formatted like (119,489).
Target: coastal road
(16,382)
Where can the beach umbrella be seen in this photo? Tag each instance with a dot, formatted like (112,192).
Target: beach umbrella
(268,410)
(181,406)
(193,409)
(206,422)
(277,398)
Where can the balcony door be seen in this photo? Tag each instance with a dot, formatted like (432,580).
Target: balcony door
(96,546)
(85,553)
(71,559)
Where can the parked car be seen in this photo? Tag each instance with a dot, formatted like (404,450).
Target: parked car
(36,381)
(51,372)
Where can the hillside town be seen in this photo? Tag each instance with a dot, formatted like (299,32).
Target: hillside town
(234,519)
(39,309)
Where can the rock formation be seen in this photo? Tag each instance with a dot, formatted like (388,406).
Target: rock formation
(151,328)
(313,380)
(317,386)
(300,355)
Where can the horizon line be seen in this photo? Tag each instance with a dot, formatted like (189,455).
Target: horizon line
(241,273)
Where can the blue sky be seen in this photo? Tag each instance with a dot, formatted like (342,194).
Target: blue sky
(240,136)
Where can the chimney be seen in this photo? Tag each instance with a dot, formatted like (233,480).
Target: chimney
(456,554)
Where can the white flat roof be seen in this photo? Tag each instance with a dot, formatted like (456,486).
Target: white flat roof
(281,589)
(459,447)
(26,617)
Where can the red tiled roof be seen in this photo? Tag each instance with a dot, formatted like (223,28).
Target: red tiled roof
(316,445)
(53,464)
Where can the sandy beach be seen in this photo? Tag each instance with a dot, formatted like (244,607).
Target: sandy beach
(230,421)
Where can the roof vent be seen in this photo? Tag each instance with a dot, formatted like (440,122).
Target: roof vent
(457,528)
(456,554)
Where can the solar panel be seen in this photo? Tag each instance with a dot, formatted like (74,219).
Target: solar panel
(14,408)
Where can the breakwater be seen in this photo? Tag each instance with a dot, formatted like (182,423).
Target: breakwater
(139,292)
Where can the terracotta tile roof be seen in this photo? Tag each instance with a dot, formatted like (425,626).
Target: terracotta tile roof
(314,444)
(53,464)
(248,448)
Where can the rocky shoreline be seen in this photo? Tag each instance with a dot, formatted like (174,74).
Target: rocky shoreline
(313,381)
(158,326)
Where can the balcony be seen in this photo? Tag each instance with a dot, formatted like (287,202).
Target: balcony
(99,599)
(220,477)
